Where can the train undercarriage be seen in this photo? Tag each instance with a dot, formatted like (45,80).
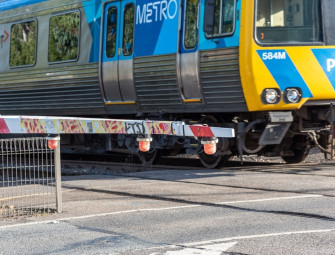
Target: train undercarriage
(285,134)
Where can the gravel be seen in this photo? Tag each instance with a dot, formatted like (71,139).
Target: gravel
(314,157)
(89,168)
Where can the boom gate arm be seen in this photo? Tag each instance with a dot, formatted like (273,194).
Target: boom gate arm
(143,128)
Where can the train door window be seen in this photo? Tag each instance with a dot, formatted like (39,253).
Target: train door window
(224,18)
(64,37)
(23,44)
(288,21)
(128,29)
(191,24)
(111,32)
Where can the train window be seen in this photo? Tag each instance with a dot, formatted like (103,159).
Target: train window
(128,30)
(224,18)
(111,32)
(64,37)
(191,23)
(288,21)
(23,44)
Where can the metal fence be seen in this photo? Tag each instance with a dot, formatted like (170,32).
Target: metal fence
(29,177)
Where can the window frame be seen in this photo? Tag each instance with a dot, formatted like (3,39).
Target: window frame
(36,42)
(219,35)
(273,44)
(79,37)
(124,26)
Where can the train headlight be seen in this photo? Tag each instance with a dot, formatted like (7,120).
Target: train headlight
(271,96)
(292,95)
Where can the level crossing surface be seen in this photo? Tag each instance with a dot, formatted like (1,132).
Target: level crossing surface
(265,209)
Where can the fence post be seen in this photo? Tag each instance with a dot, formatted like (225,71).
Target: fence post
(58,178)
(54,144)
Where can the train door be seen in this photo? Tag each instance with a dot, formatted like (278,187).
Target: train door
(156,51)
(189,55)
(219,47)
(117,53)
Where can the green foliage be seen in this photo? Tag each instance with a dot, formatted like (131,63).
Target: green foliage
(191,24)
(23,44)
(64,37)
(128,30)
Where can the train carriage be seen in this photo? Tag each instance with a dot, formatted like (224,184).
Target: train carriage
(263,67)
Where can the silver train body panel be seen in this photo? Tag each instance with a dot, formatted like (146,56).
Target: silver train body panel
(156,82)
(198,82)
(63,88)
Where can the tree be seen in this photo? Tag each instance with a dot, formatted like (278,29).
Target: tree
(64,37)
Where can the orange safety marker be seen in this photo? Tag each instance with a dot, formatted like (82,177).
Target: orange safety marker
(210,146)
(144,143)
(53,142)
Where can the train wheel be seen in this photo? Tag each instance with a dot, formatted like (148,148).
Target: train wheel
(213,161)
(300,148)
(298,157)
(149,158)
(216,160)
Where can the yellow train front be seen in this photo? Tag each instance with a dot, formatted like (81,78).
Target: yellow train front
(287,67)
(286,51)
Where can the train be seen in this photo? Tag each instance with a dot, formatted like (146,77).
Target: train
(265,68)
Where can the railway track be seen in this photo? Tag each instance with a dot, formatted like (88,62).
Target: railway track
(130,163)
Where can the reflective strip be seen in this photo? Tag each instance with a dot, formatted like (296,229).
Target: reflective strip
(202,131)
(3,127)
(196,100)
(205,131)
(120,103)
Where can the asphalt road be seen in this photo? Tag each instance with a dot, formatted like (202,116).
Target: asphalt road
(267,209)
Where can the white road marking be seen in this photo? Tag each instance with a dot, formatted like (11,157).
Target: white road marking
(235,238)
(155,209)
(213,249)
(269,199)
(231,240)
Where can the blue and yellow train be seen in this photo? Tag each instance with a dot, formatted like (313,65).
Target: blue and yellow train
(264,67)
